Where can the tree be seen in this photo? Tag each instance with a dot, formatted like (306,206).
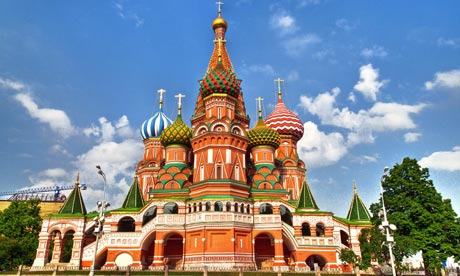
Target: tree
(19,228)
(425,221)
(348,256)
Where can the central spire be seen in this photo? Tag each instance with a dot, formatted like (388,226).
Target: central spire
(219,55)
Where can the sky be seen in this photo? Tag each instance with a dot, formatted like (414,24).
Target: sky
(373,82)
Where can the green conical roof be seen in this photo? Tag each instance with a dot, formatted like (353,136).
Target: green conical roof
(134,197)
(74,203)
(357,211)
(306,200)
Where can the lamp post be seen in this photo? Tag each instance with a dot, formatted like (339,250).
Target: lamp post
(386,226)
(99,220)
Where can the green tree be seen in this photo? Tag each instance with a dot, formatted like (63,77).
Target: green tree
(347,255)
(425,221)
(19,228)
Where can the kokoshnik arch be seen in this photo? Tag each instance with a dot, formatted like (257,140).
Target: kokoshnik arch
(215,194)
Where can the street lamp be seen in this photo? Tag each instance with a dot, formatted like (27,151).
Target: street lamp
(386,226)
(99,219)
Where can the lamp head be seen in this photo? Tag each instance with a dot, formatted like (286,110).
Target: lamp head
(98,167)
(385,169)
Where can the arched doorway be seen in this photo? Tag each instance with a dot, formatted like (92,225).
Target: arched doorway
(264,250)
(173,250)
(67,245)
(316,261)
(148,250)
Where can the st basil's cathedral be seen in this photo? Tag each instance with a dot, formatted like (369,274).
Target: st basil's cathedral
(217,194)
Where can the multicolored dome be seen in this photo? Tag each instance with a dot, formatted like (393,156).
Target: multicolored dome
(220,80)
(261,134)
(285,122)
(152,127)
(176,134)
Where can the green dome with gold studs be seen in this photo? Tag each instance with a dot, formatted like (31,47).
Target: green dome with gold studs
(176,134)
(261,134)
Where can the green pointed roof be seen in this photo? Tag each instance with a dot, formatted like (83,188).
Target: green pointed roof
(134,197)
(74,203)
(357,211)
(306,200)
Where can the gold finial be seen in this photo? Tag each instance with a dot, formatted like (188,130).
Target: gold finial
(161,91)
(77,181)
(354,187)
(179,104)
(278,80)
(259,102)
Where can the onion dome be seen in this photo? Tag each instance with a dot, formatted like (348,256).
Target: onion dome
(284,121)
(220,80)
(261,134)
(152,127)
(219,22)
(178,133)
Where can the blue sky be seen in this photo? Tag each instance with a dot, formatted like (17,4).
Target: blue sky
(373,81)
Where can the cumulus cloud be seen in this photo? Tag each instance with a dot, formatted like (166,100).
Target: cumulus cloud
(295,46)
(411,137)
(447,79)
(368,84)
(375,51)
(57,119)
(443,160)
(320,149)
(262,68)
(284,23)
(362,125)
(107,130)
(118,160)
(54,173)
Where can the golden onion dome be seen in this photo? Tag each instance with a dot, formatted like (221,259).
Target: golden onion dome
(219,22)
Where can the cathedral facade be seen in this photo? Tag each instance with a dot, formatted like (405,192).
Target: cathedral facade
(218,194)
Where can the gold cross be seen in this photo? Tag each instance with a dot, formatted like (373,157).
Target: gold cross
(219,4)
(179,96)
(278,80)
(259,101)
(161,91)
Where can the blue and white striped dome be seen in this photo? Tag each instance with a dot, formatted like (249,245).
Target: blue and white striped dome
(153,127)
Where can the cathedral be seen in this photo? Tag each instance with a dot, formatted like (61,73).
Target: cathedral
(214,194)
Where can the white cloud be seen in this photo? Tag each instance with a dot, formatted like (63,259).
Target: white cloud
(381,117)
(11,84)
(443,160)
(284,23)
(107,131)
(343,24)
(297,45)
(352,97)
(318,149)
(366,159)
(303,3)
(262,68)
(411,137)
(54,173)
(58,120)
(118,161)
(127,14)
(375,51)
(449,42)
(448,79)
(368,84)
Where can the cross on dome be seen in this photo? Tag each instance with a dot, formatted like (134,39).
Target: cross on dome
(161,91)
(179,103)
(278,80)
(219,4)
(259,102)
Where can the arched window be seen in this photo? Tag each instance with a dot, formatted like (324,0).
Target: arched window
(228,206)
(235,207)
(194,207)
(150,214)
(286,215)
(219,172)
(266,209)
(200,208)
(242,208)
(248,209)
(201,173)
(208,206)
(306,229)
(237,173)
(218,206)
(126,224)
(171,208)
(320,230)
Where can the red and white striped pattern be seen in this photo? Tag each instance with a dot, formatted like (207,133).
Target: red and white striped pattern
(285,122)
